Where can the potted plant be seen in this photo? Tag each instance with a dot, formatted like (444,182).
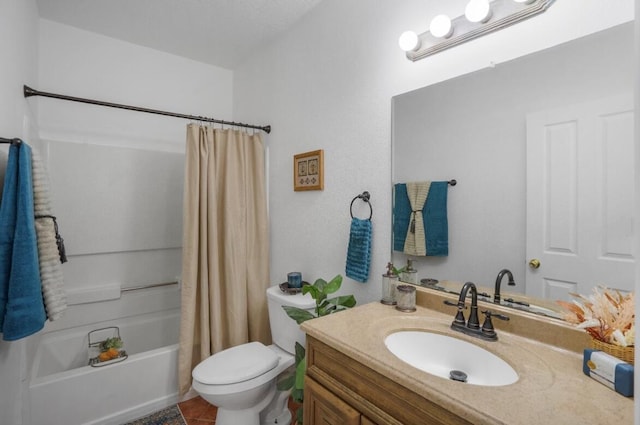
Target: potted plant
(319,291)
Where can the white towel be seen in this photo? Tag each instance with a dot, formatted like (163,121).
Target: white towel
(55,300)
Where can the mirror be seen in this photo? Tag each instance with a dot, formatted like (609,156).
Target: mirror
(473,129)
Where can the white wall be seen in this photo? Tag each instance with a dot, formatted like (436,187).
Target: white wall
(84,64)
(19,57)
(327,84)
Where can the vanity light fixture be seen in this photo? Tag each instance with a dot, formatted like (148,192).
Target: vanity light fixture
(441,27)
(478,11)
(409,41)
(481,17)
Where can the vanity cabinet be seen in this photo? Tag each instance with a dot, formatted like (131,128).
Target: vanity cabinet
(340,390)
(322,407)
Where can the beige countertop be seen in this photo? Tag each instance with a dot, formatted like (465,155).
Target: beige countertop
(551,388)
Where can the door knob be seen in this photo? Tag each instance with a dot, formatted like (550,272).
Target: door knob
(534,264)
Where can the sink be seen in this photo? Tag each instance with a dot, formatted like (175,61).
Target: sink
(450,358)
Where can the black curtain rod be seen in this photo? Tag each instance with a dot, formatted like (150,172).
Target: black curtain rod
(13,141)
(28,92)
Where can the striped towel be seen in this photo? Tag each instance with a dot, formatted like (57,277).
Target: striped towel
(359,252)
(415,244)
(55,300)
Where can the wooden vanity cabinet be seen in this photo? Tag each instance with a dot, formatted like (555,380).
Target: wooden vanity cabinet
(322,407)
(342,391)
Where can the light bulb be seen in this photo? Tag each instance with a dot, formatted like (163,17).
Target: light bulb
(441,27)
(478,11)
(409,41)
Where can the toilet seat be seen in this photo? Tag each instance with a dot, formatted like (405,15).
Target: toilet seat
(235,364)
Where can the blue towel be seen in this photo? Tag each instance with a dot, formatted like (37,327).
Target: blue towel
(21,306)
(436,225)
(359,252)
(401,216)
(434,216)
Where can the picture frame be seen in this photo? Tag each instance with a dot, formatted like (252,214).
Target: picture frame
(308,171)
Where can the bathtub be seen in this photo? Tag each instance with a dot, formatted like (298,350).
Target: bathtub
(64,390)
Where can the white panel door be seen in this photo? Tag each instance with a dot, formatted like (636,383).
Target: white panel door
(580,188)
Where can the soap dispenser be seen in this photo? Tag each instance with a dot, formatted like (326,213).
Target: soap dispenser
(409,274)
(389,282)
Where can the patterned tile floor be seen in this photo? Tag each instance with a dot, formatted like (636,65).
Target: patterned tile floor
(197,411)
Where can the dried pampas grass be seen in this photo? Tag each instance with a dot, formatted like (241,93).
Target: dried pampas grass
(606,315)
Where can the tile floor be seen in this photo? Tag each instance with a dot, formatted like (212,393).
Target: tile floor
(197,411)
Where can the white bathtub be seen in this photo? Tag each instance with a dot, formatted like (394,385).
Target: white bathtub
(63,390)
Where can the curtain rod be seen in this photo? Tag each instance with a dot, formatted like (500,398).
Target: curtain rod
(14,141)
(28,92)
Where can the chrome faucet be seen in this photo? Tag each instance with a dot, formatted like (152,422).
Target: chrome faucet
(496,294)
(472,326)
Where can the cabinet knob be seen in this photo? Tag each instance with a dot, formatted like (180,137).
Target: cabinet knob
(534,263)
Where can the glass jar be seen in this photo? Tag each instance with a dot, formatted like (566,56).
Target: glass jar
(406,298)
(410,275)
(389,283)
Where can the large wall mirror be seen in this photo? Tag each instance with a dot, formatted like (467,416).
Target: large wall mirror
(474,129)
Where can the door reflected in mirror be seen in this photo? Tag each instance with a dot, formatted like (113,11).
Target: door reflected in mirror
(474,129)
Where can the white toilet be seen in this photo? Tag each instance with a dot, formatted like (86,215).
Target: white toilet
(241,381)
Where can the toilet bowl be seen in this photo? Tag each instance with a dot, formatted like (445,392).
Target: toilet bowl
(241,381)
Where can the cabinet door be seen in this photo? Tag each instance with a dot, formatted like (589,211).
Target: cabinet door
(322,407)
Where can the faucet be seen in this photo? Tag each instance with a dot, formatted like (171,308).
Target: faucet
(496,294)
(472,326)
(473,322)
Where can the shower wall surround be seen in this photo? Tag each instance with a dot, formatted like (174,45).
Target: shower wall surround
(116,176)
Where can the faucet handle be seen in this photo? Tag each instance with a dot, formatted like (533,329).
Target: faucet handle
(491,314)
(459,319)
(487,326)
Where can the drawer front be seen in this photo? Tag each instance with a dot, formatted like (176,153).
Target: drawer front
(321,407)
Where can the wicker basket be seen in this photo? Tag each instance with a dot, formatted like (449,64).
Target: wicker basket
(623,353)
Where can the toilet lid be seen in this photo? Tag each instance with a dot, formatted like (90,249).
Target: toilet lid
(236,364)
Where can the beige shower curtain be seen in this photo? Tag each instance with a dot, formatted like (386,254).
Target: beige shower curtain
(225,253)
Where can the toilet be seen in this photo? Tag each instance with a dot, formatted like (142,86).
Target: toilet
(241,380)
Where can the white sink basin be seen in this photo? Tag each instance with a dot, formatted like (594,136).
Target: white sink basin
(440,355)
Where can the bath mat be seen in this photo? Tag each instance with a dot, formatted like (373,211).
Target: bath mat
(169,416)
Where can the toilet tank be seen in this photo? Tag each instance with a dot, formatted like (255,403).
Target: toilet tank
(284,330)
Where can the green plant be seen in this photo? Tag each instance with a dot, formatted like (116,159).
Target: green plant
(319,291)
(108,343)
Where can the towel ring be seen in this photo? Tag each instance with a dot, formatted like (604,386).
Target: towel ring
(365,196)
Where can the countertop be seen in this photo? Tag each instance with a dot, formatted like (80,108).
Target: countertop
(551,388)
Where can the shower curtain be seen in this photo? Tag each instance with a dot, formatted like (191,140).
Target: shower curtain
(225,253)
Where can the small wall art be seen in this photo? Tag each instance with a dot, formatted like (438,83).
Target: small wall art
(308,171)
